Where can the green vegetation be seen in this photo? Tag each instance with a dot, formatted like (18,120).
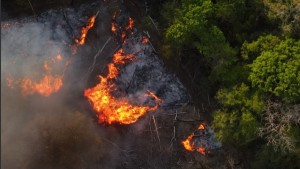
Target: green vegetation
(238,119)
(277,70)
(249,54)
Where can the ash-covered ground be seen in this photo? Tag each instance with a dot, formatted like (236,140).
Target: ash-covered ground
(61,130)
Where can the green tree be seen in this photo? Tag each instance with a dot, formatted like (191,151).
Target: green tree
(239,19)
(277,70)
(250,51)
(237,119)
(193,28)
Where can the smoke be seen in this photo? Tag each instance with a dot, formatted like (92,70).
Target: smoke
(44,131)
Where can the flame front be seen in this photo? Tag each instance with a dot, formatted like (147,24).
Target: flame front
(116,110)
(189,145)
(85,30)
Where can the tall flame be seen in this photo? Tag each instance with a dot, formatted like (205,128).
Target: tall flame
(116,110)
(85,30)
(189,145)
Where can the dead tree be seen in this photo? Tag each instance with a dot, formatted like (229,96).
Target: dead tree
(278,119)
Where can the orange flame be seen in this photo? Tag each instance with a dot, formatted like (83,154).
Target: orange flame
(110,109)
(58,57)
(85,30)
(201,150)
(189,145)
(201,127)
(114,28)
(157,99)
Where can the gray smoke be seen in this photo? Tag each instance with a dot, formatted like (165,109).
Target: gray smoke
(38,131)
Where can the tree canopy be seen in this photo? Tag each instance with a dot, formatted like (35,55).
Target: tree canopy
(277,70)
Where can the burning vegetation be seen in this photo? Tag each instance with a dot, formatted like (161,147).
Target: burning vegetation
(190,143)
(109,108)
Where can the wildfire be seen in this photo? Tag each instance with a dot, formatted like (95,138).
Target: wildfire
(189,144)
(116,110)
(47,85)
(85,30)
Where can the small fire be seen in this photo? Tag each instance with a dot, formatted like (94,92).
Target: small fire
(130,24)
(145,40)
(157,99)
(201,127)
(114,28)
(189,144)
(85,30)
(116,110)
(201,150)
(58,57)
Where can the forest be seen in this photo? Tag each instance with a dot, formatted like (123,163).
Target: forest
(246,55)
(238,59)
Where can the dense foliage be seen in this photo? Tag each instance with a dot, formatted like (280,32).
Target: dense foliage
(249,53)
